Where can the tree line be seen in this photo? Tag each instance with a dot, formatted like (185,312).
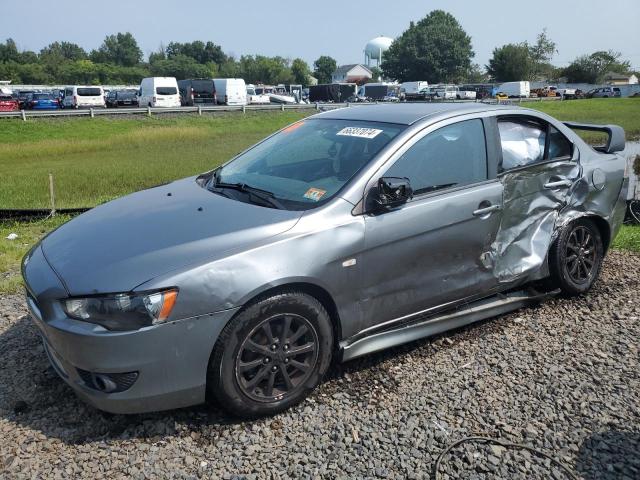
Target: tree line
(435,49)
(119,60)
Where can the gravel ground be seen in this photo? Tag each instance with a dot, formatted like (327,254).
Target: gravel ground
(562,377)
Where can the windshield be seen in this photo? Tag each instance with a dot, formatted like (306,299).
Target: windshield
(89,92)
(43,96)
(307,163)
(166,90)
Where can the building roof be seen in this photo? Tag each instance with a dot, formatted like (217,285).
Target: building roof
(405,113)
(344,69)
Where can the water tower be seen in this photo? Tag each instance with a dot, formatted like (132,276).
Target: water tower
(375,49)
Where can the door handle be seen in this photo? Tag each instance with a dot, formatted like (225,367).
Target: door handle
(481,212)
(564,183)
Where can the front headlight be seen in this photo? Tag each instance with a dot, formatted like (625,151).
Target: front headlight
(123,311)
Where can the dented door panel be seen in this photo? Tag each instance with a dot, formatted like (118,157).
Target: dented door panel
(428,252)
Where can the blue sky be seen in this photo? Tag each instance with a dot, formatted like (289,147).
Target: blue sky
(337,28)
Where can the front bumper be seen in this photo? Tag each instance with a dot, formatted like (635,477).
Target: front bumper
(171,360)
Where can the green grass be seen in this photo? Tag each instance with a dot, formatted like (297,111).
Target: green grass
(628,239)
(620,111)
(95,160)
(12,251)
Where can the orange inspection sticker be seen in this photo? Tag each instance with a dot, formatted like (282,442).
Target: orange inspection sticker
(314,194)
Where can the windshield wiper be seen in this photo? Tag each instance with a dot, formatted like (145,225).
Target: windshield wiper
(264,196)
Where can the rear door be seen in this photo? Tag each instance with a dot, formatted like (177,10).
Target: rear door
(540,173)
(429,252)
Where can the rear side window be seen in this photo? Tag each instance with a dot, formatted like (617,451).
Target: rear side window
(454,155)
(89,92)
(526,142)
(522,143)
(166,90)
(559,146)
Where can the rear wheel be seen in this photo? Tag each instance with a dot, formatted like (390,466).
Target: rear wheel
(576,257)
(634,210)
(271,355)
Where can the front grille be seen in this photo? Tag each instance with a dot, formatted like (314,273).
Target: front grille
(108,382)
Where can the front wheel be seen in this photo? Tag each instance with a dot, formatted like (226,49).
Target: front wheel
(576,257)
(271,355)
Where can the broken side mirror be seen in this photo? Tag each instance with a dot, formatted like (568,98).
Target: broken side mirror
(393,191)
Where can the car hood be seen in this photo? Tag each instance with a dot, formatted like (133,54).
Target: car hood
(121,244)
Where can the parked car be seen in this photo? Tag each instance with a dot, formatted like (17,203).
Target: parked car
(253,97)
(345,233)
(122,98)
(197,91)
(22,97)
(42,101)
(8,103)
(79,96)
(443,92)
(465,94)
(159,92)
(231,91)
(603,92)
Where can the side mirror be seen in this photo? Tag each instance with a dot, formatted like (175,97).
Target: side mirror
(393,191)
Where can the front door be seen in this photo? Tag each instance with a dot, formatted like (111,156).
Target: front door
(431,251)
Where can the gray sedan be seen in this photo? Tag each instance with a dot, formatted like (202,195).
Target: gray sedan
(343,234)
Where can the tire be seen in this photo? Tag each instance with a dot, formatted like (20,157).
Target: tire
(253,371)
(576,257)
(634,210)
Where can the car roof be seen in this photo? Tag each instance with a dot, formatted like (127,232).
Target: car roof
(406,113)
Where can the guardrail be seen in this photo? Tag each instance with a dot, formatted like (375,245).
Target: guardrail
(150,111)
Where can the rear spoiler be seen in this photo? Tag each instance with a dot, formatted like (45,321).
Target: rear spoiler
(615,142)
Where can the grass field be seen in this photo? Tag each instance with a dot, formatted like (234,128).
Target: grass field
(93,161)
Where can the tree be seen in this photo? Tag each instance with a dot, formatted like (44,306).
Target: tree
(300,71)
(199,51)
(541,54)
(120,49)
(9,51)
(181,67)
(323,68)
(261,69)
(592,68)
(60,51)
(511,62)
(376,74)
(476,74)
(435,49)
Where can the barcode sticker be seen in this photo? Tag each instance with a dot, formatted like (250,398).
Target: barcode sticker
(360,132)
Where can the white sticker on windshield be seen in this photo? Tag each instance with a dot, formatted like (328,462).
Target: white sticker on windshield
(360,132)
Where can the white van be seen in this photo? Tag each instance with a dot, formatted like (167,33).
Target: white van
(231,91)
(413,87)
(159,92)
(83,96)
(515,89)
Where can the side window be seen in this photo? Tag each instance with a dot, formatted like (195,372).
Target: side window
(559,146)
(522,143)
(454,155)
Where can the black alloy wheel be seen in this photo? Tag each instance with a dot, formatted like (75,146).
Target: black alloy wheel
(277,357)
(580,255)
(271,354)
(575,258)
